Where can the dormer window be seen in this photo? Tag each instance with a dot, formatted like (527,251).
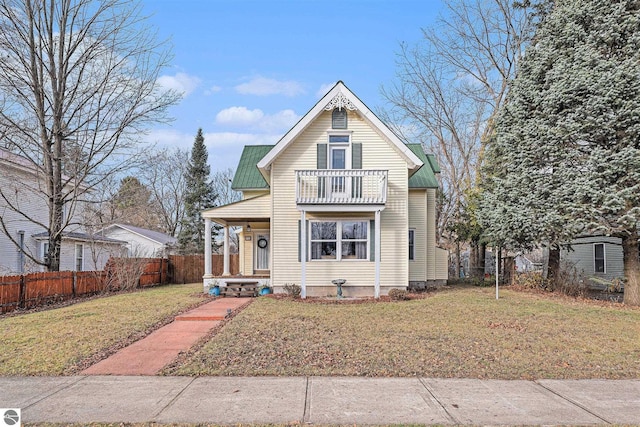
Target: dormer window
(339,118)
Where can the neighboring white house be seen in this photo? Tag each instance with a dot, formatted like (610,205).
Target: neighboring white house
(598,257)
(141,242)
(23,236)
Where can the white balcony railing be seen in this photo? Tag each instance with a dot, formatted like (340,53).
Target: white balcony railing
(341,186)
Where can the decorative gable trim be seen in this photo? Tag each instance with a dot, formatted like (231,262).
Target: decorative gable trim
(340,101)
(338,95)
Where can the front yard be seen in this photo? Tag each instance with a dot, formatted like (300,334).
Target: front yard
(457,332)
(61,341)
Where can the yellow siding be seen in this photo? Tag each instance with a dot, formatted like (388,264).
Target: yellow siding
(442,264)
(377,154)
(418,222)
(250,194)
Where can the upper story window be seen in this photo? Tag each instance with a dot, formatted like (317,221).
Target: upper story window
(339,118)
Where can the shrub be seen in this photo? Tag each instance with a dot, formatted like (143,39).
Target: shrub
(570,281)
(531,280)
(292,289)
(398,294)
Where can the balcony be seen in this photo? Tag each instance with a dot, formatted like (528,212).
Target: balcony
(341,187)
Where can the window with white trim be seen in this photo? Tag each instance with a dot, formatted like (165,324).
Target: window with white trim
(412,234)
(340,240)
(79,257)
(598,258)
(45,252)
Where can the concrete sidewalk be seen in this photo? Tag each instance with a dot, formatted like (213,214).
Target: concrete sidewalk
(321,400)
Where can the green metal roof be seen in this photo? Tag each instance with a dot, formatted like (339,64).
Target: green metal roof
(425,176)
(247,175)
(434,163)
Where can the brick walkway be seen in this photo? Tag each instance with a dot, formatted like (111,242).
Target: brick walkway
(152,353)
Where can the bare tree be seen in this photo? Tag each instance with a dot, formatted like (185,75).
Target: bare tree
(164,174)
(451,86)
(78,86)
(222,180)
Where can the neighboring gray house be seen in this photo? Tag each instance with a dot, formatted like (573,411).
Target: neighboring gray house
(141,242)
(598,257)
(21,188)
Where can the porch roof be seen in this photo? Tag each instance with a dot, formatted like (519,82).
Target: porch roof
(253,209)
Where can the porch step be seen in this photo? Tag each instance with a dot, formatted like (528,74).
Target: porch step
(240,289)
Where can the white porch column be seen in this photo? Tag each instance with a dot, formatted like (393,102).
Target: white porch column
(303,254)
(208,277)
(376,292)
(225,271)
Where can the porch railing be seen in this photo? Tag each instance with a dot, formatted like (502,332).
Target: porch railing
(341,186)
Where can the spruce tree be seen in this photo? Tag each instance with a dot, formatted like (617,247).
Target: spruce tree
(200,195)
(565,157)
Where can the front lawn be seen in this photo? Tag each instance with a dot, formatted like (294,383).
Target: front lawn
(56,341)
(457,332)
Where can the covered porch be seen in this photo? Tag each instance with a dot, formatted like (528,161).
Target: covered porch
(251,219)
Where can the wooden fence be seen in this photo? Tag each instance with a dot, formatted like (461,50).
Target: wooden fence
(33,289)
(190,268)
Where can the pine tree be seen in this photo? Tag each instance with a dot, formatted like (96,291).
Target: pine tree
(565,157)
(200,195)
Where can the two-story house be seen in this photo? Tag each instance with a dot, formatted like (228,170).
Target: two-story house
(23,238)
(339,196)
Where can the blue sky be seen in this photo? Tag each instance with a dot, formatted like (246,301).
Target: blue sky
(249,69)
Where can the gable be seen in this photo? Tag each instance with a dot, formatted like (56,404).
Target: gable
(339,97)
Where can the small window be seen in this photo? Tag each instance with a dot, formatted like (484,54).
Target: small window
(339,139)
(599,258)
(79,257)
(339,118)
(411,245)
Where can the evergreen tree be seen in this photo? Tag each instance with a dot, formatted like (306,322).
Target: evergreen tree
(565,157)
(200,195)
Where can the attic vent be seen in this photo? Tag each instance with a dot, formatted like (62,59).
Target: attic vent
(339,118)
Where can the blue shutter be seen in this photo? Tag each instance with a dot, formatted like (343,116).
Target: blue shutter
(356,156)
(372,240)
(322,156)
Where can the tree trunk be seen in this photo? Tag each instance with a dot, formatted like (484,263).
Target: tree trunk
(631,269)
(473,260)
(553,267)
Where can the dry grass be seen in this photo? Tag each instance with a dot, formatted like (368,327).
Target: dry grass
(460,332)
(57,341)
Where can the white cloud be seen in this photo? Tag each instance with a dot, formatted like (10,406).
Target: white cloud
(181,82)
(224,148)
(212,90)
(239,116)
(324,88)
(281,121)
(257,120)
(263,86)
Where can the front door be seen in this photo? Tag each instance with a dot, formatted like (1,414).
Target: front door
(261,260)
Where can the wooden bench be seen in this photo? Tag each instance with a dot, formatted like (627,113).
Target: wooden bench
(240,289)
